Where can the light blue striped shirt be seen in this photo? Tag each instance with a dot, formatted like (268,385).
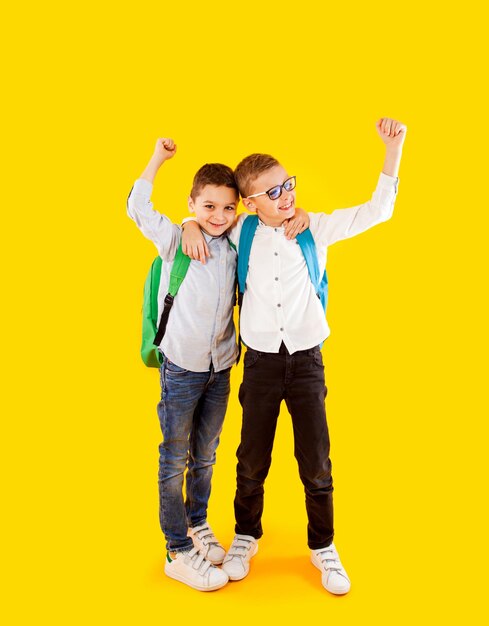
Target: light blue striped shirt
(200,328)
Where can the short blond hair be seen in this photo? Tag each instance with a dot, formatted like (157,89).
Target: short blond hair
(248,170)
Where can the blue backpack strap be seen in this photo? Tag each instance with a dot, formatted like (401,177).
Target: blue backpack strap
(248,229)
(320,282)
(308,247)
(250,224)
(233,247)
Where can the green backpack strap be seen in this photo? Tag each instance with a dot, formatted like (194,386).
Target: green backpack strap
(178,271)
(152,332)
(177,274)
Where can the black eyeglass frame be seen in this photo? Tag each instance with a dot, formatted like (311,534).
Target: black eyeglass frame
(281,187)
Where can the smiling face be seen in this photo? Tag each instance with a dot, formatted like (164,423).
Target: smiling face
(271,212)
(215,208)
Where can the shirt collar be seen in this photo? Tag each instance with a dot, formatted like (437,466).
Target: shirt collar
(208,238)
(266,225)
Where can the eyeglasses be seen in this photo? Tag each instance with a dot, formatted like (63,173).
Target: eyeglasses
(275,192)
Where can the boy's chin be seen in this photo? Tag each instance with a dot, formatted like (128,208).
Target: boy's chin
(287,215)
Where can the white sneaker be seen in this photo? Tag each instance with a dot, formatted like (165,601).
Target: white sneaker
(236,563)
(193,569)
(205,540)
(334,577)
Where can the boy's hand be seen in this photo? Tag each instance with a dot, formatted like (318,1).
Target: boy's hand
(296,224)
(165,149)
(193,242)
(391,132)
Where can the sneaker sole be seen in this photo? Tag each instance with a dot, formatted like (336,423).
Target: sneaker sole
(183,580)
(235,578)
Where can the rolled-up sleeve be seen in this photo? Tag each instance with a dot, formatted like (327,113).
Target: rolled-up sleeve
(154,226)
(345,223)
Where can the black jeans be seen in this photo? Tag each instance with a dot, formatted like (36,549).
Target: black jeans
(298,379)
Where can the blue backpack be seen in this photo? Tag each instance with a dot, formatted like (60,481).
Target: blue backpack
(307,245)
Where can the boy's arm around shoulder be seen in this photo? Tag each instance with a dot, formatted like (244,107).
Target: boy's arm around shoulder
(194,244)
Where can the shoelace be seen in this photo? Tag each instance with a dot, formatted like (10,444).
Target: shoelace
(207,536)
(199,562)
(329,559)
(239,548)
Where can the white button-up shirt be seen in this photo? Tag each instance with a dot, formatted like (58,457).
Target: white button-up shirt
(279,302)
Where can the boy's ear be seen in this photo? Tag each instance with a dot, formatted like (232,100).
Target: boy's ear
(249,205)
(191,207)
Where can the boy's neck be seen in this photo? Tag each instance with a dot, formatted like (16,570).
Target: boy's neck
(224,234)
(270,222)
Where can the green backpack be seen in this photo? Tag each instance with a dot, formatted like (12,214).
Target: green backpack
(152,333)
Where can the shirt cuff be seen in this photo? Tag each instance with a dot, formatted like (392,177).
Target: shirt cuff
(189,219)
(387,182)
(143,186)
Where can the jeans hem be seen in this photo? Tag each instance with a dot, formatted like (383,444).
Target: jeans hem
(194,524)
(320,546)
(255,535)
(185,548)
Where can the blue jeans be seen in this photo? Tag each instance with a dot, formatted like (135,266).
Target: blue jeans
(191,413)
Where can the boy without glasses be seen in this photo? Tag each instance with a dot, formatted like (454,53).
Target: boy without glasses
(282,323)
(198,350)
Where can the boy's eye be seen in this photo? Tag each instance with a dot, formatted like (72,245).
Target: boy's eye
(229,208)
(209,206)
(275,192)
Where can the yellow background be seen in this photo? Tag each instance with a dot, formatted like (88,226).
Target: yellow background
(88,88)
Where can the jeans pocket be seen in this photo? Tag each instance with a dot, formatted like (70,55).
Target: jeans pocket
(318,358)
(172,368)
(250,358)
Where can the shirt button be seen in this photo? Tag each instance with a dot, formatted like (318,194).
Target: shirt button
(275,253)
(275,229)
(279,305)
(276,277)
(281,330)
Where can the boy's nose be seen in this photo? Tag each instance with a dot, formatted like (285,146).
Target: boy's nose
(286,197)
(220,215)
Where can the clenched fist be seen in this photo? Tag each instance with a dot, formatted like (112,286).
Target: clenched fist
(391,132)
(165,149)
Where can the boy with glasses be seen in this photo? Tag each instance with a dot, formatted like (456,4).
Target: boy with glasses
(282,323)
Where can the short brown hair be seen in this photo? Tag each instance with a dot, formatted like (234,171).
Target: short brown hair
(250,168)
(213,174)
